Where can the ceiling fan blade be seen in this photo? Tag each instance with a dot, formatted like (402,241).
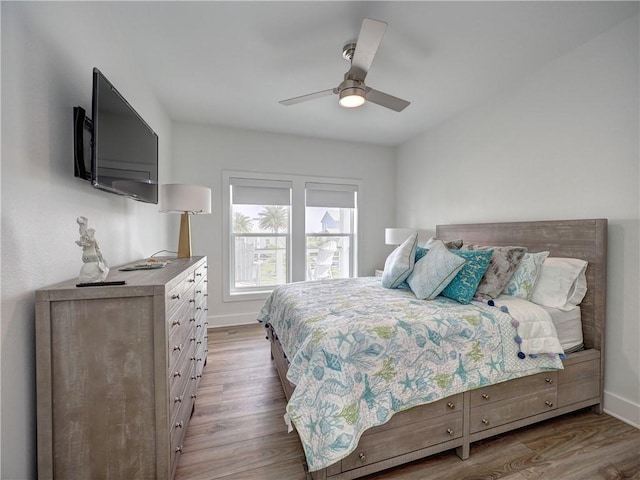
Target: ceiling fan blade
(369,40)
(310,96)
(386,100)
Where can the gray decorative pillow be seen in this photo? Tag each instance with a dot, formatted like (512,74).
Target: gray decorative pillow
(450,244)
(433,272)
(504,263)
(399,263)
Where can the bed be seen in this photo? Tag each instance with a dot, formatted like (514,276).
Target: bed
(464,404)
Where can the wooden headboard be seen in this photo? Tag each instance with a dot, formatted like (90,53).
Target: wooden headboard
(585,239)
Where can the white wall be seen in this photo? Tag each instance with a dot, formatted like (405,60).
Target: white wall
(48,52)
(202,152)
(562,145)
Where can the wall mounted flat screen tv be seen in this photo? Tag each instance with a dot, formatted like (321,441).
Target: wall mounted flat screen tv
(124,148)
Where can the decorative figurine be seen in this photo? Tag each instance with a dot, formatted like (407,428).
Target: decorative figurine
(94,267)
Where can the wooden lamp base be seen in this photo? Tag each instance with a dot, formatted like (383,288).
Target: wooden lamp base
(184,242)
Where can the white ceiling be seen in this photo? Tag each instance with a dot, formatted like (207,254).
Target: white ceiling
(229,63)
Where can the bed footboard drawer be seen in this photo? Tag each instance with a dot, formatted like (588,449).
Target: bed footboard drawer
(382,444)
(509,410)
(580,380)
(513,388)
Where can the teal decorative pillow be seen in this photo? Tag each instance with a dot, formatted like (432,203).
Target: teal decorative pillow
(434,271)
(504,263)
(464,285)
(399,263)
(525,277)
(420,252)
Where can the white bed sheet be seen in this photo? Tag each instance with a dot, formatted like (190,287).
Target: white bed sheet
(568,327)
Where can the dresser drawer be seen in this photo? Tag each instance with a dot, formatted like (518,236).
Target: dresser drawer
(178,430)
(378,445)
(201,273)
(175,297)
(513,388)
(498,413)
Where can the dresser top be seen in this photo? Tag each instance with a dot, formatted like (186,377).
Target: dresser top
(138,282)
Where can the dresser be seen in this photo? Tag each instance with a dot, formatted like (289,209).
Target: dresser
(117,370)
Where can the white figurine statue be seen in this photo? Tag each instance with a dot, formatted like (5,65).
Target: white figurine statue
(94,267)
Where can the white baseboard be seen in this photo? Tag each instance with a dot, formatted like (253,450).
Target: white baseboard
(232,320)
(622,409)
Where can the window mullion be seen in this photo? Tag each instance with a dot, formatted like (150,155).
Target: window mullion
(298,239)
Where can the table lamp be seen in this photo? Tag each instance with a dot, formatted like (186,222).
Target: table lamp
(395,236)
(187,200)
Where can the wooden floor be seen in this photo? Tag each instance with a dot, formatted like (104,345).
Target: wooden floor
(237,432)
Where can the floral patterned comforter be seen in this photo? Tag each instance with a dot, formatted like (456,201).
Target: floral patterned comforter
(360,353)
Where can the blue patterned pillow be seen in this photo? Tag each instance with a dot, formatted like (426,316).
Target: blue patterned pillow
(464,285)
(399,263)
(434,271)
(525,277)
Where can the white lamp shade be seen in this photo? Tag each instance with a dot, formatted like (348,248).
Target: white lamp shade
(395,236)
(175,197)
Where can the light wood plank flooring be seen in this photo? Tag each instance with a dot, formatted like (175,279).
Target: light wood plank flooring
(237,432)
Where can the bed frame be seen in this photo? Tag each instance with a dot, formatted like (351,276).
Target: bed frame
(456,422)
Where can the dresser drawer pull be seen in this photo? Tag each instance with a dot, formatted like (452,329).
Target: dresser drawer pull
(548,403)
(193,359)
(175,322)
(193,396)
(178,399)
(198,291)
(178,425)
(175,296)
(548,380)
(179,449)
(206,294)
(199,375)
(192,300)
(485,421)
(192,319)
(206,266)
(198,274)
(177,347)
(198,308)
(177,374)
(450,432)
(362,457)
(486,396)
(193,377)
(451,405)
(191,280)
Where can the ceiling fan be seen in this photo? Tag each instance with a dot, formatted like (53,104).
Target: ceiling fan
(352,91)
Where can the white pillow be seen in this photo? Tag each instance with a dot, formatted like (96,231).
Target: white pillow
(399,263)
(433,272)
(562,283)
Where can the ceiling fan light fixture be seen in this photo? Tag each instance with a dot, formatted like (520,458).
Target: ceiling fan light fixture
(352,94)
(351,99)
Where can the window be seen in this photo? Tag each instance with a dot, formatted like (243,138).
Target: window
(260,233)
(330,219)
(287,228)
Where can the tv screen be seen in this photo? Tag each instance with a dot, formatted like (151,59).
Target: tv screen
(124,154)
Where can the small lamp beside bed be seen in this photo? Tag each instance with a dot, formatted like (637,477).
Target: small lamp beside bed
(395,236)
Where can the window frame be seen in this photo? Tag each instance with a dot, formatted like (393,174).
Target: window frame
(296,253)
